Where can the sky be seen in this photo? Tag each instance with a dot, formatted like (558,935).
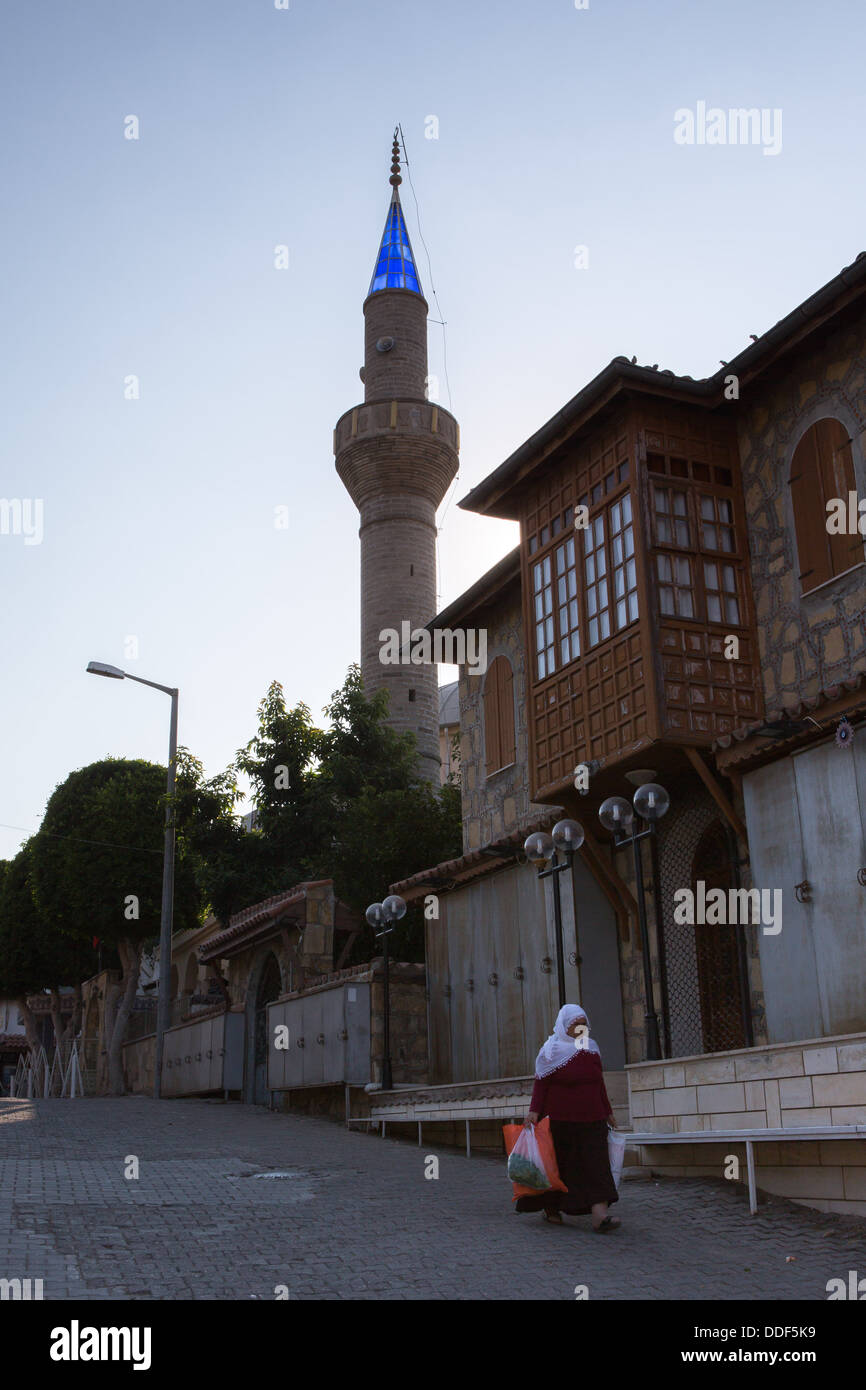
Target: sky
(148,265)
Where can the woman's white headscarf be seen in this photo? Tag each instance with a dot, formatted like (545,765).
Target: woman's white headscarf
(560,1048)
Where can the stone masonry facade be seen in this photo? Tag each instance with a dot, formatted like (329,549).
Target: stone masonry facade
(812,642)
(493,806)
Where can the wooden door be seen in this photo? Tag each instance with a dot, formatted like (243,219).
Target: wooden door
(717,951)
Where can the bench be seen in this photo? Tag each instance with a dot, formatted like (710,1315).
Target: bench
(503,1099)
(749,1137)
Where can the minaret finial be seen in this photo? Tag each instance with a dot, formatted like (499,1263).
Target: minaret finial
(395,178)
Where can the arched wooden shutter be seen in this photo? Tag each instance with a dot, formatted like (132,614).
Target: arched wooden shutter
(822,468)
(506,712)
(837,471)
(499,741)
(807,498)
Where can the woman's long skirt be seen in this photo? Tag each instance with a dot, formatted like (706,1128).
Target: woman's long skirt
(581,1157)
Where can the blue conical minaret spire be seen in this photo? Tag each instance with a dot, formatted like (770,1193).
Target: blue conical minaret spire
(395,263)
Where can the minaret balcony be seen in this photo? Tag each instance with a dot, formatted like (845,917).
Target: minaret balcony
(396,446)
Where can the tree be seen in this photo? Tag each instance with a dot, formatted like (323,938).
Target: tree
(345,803)
(32,957)
(383,821)
(235,867)
(97,872)
(21,963)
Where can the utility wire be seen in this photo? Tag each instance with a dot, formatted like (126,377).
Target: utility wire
(110,844)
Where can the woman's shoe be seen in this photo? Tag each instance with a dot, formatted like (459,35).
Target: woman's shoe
(553,1217)
(610,1223)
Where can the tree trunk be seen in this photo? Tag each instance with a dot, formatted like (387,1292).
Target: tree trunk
(73,1025)
(30,1031)
(130,959)
(56,1018)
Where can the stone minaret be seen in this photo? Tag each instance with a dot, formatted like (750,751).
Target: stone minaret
(397,455)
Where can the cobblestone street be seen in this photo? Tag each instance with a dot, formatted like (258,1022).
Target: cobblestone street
(357,1219)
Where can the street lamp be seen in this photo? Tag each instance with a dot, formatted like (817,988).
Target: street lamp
(384,916)
(541,850)
(163,1012)
(650,803)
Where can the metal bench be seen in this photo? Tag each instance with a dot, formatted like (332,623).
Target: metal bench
(749,1137)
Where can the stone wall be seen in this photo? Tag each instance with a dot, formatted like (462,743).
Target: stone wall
(806,643)
(495,805)
(788,1086)
(408,1010)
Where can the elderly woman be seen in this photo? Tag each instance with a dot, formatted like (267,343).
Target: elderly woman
(569,1088)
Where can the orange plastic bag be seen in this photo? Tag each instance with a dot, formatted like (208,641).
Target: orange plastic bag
(544,1139)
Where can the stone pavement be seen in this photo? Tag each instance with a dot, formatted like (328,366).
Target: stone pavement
(356,1218)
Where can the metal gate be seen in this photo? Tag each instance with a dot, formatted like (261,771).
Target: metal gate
(270,987)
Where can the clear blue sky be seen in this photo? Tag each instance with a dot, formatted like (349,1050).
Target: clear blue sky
(261,127)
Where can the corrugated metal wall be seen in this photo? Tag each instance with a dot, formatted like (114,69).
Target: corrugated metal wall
(484,1020)
(806,817)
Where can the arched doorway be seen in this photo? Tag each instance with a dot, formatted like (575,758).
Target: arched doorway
(718,951)
(270,986)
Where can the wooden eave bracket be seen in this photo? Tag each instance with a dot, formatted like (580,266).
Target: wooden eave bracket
(614,888)
(717,793)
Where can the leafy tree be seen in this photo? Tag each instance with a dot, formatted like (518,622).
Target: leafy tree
(235,867)
(345,803)
(384,822)
(21,963)
(97,872)
(33,958)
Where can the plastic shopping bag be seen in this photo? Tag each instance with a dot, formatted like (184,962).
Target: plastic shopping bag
(615,1154)
(532,1160)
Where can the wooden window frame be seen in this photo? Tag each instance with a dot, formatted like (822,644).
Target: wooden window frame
(500,728)
(697,553)
(822,557)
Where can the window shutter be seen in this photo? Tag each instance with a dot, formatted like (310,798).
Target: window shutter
(810,516)
(499,742)
(506,713)
(837,475)
(491,718)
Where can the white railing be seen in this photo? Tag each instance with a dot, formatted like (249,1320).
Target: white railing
(39,1078)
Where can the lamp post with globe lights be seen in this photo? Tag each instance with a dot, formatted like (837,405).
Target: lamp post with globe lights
(650,803)
(543,851)
(383,918)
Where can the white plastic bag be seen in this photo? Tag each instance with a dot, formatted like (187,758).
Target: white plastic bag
(615,1154)
(525,1164)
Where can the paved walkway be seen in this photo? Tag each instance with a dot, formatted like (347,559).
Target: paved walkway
(357,1219)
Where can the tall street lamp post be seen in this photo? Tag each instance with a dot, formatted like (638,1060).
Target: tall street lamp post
(163,1012)
(650,803)
(541,850)
(385,915)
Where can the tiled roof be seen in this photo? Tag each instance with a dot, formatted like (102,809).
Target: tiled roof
(257,915)
(802,710)
(490,495)
(477,861)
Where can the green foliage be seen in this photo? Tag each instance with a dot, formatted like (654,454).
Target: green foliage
(383,837)
(345,803)
(32,956)
(22,963)
(99,844)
